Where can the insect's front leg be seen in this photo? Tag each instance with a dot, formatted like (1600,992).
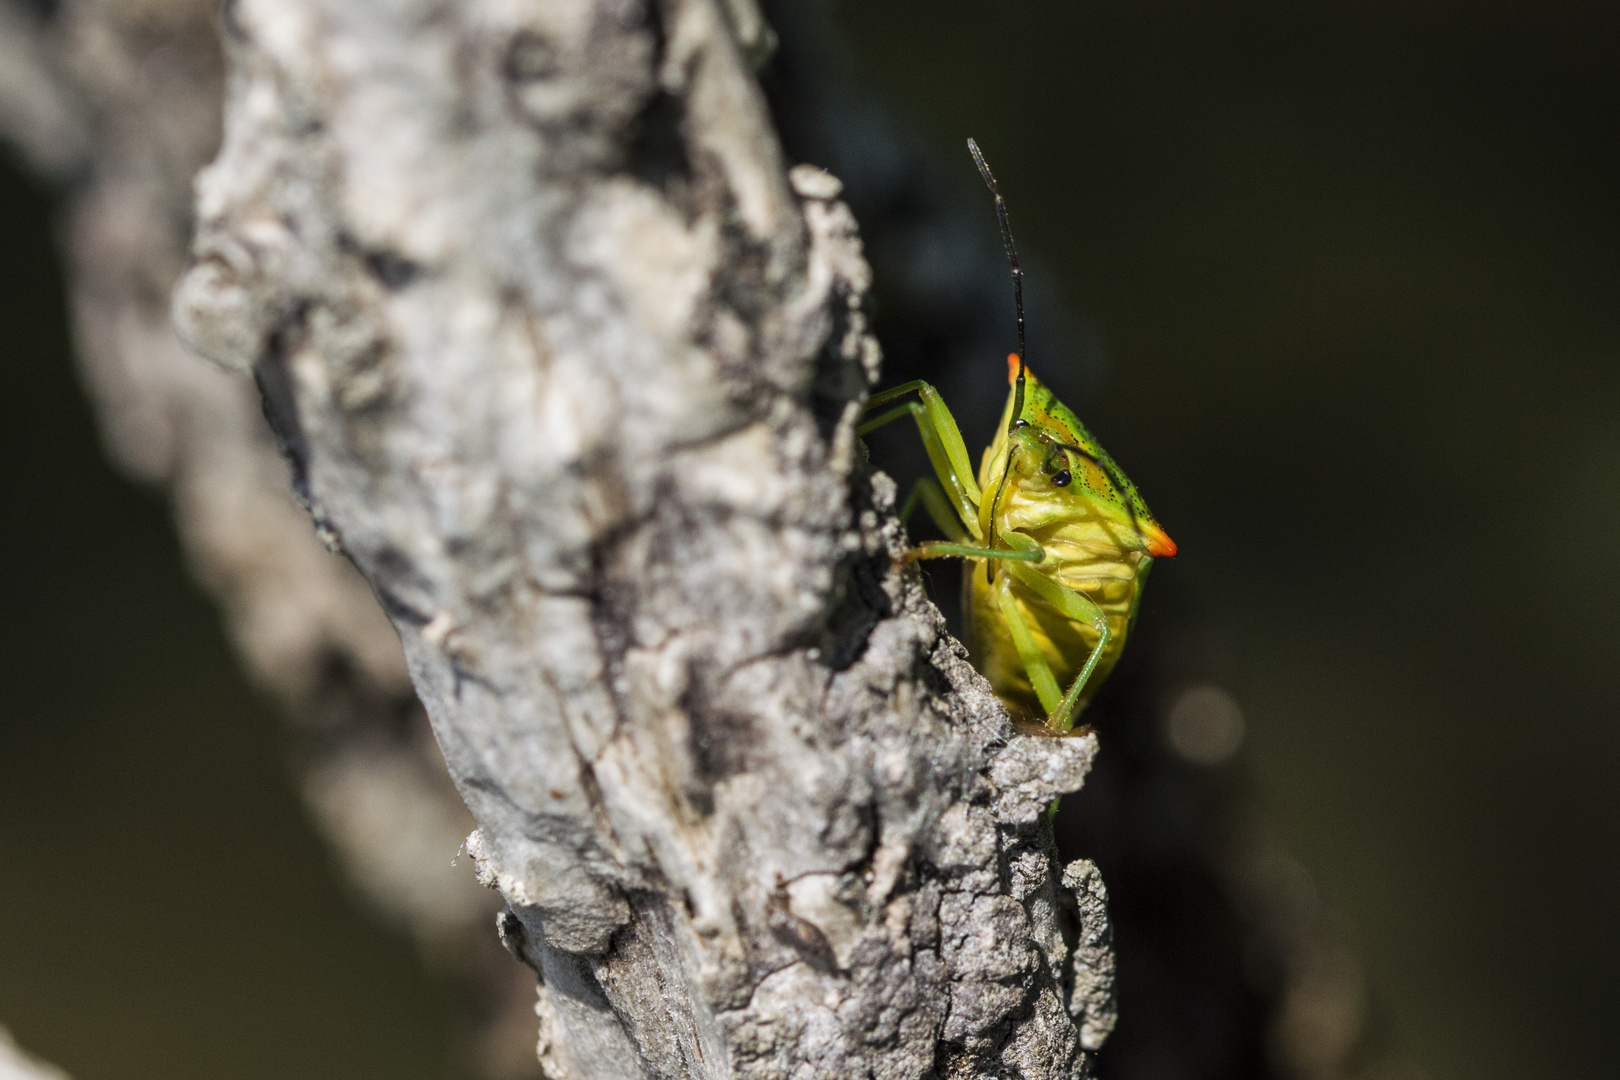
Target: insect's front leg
(1020,548)
(933,498)
(940,437)
(928,492)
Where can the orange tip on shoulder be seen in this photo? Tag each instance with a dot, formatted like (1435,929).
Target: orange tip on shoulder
(1012,368)
(1159,544)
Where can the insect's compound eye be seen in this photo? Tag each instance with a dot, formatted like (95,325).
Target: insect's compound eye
(1061,478)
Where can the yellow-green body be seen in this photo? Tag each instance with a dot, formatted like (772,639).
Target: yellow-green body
(1058,543)
(1085,548)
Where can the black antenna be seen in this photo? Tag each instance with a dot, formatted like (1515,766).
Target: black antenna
(1012,260)
(1018,308)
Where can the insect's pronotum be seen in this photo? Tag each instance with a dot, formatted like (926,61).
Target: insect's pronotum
(1058,542)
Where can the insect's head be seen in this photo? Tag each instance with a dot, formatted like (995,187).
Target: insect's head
(1054,460)
(1049,452)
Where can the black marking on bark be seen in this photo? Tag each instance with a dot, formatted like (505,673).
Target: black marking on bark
(394,271)
(571,975)
(801,935)
(530,57)
(657,152)
(654,14)
(858,605)
(390,565)
(279,401)
(509,928)
(722,745)
(461,676)
(231,22)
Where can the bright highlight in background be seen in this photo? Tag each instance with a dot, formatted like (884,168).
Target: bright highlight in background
(1204,726)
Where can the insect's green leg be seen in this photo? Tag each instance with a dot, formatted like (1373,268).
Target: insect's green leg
(928,492)
(941,438)
(897,391)
(1040,672)
(1063,719)
(937,454)
(950,435)
(944,549)
(1080,608)
(885,418)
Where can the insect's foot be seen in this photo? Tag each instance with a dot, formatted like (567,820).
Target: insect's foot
(1050,728)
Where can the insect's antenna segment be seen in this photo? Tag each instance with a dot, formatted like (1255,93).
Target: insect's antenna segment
(1018,310)
(1012,261)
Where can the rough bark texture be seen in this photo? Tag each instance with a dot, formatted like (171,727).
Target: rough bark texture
(571,374)
(120,102)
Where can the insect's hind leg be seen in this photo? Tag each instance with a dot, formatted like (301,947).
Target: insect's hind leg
(1040,672)
(1080,608)
(1059,709)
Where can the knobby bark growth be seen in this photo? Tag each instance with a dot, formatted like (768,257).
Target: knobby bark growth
(569,367)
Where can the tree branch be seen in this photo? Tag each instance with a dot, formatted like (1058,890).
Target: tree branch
(570,371)
(120,105)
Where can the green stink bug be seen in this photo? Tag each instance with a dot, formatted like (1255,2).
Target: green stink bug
(1065,540)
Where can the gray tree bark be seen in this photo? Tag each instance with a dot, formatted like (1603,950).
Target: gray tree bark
(16,1065)
(569,368)
(119,102)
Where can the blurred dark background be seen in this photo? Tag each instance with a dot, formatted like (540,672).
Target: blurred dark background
(1336,284)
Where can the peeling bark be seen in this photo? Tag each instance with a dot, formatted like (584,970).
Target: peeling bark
(569,369)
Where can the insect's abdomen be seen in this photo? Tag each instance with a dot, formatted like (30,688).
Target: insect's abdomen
(1066,644)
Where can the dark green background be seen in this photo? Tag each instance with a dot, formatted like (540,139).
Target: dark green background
(166,911)
(1353,271)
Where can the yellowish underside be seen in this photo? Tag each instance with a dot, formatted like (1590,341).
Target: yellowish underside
(1085,554)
